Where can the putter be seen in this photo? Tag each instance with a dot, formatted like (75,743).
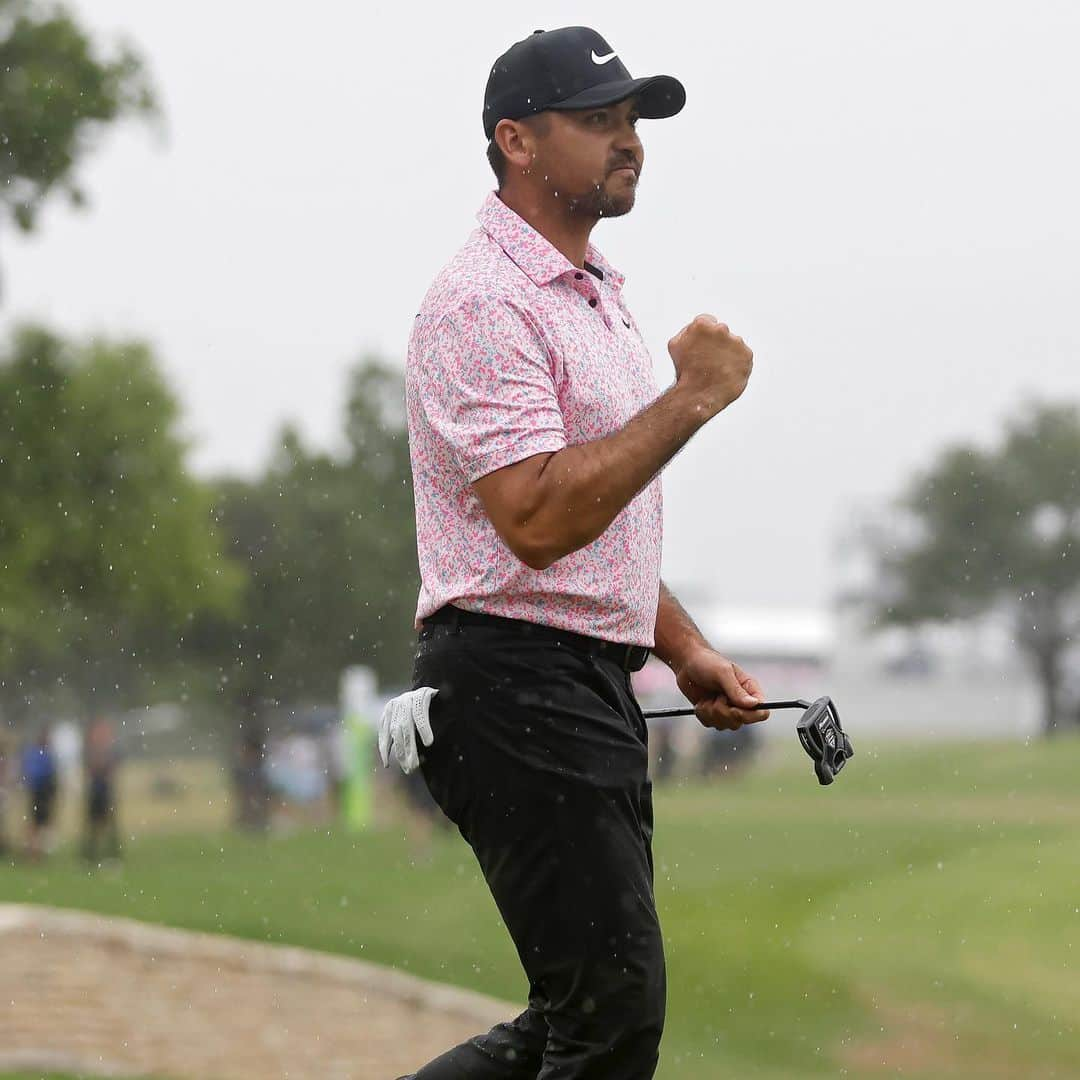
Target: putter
(818,728)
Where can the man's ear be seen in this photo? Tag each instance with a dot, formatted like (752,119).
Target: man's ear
(517,141)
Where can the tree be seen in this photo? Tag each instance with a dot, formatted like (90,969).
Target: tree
(107,546)
(996,529)
(329,544)
(56,94)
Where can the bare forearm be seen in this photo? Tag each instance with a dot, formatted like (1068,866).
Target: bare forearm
(676,633)
(583,488)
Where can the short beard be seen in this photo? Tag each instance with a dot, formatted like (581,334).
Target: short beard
(597,204)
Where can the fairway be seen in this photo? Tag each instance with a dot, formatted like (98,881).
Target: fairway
(920,917)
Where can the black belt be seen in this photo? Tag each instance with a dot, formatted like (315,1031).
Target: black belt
(628,657)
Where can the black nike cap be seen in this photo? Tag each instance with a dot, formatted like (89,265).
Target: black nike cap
(570,68)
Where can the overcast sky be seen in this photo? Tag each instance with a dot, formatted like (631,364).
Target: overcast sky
(881,198)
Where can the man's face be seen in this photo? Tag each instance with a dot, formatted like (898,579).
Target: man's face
(590,158)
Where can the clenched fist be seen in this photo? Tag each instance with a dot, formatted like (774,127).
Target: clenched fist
(711,362)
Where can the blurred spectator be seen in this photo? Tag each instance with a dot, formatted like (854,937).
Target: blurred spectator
(39,774)
(101,759)
(250,781)
(337,762)
(296,770)
(7,776)
(424,815)
(727,752)
(66,740)
(655,688)
(662,748)
(251,792)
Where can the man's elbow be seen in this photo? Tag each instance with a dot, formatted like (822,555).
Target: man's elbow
(535,556)
(538,552)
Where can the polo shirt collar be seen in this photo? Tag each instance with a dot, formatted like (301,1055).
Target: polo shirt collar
(537,257)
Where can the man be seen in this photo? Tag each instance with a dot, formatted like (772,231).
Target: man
(537,435)
(101,759)
(40,775)
(6,779)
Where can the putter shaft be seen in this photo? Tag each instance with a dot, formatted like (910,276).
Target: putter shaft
(760,707)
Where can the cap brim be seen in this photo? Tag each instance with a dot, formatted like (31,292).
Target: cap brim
(659,96)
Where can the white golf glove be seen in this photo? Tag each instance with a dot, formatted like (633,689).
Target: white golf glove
(402,718)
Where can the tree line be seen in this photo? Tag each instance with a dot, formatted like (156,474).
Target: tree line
(123,579)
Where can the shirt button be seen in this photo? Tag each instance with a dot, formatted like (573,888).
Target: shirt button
(592,302)
(579,276)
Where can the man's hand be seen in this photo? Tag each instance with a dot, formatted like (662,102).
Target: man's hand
(721,692)
(711,362)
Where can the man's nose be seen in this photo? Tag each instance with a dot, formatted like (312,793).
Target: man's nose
(629,142)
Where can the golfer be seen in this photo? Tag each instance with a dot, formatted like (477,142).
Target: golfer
(537,437)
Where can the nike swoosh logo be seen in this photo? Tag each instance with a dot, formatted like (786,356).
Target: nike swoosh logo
(602,59)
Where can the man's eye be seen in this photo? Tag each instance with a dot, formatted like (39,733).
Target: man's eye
(598,117)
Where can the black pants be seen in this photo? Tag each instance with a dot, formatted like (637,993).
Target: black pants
(540,758)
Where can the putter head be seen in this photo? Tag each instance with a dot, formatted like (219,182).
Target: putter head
(824,740)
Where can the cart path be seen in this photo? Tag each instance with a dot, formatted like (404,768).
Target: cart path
(114,997)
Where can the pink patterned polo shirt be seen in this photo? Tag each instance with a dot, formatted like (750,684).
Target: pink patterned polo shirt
(516,352)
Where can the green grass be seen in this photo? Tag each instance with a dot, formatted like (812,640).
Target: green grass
(919,918)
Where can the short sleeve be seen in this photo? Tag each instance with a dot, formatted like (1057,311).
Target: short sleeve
(486,384)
